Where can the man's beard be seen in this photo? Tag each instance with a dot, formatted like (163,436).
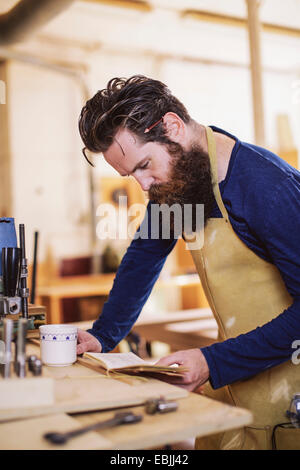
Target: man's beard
(189,183)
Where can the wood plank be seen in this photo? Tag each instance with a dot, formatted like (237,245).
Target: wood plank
(236,21)
(34,391)
(28,434)
(254,29)
(284,133)
(72,383)
(162,318)
(178,339)
(6,186)
(97,285)
(101,284)
(36,309)
(196,416)
(185,329)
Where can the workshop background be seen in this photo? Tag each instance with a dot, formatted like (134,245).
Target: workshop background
(210,53)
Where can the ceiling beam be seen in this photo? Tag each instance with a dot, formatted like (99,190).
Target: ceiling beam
(202,15)
(254,30)
(139,5)
(238,22)
(26,17)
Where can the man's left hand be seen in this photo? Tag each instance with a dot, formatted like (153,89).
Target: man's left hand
(194,361)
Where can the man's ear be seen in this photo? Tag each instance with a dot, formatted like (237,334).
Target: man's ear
(174,127)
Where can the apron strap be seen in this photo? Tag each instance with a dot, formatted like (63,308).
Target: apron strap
(212,152)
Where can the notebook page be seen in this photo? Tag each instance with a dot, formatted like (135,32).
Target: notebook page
(116,360)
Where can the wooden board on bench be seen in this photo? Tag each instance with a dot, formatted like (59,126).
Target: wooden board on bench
(79,388)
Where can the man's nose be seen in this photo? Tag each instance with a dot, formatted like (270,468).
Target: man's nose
(145,183)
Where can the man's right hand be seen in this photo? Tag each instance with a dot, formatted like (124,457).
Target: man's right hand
(87,342)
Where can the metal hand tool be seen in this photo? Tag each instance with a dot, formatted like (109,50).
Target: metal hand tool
(118,419)
(160,405)
(10,302)
(37,367)
(20,355)
(34,365)
(7,337)
(23,291)
(31,360)
(34,268)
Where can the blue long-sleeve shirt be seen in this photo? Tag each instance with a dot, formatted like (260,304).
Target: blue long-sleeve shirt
(261,193)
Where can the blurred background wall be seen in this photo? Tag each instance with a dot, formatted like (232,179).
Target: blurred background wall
(199,48)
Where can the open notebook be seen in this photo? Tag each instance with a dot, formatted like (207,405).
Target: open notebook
(129,363)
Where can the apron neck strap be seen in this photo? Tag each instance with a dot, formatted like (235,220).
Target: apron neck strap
(212,152)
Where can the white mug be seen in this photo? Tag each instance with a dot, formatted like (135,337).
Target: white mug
(58,344)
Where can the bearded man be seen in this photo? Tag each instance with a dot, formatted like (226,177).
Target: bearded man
(249,264)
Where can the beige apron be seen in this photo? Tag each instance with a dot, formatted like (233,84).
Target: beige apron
(245,292)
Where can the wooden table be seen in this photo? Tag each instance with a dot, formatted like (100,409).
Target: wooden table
(183,329)
(92,285)
(72,287)
(196,416)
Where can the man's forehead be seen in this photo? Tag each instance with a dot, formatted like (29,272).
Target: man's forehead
(126,140)
(124,151)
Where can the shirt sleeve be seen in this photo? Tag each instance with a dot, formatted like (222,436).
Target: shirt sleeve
(135,278)
(275,219)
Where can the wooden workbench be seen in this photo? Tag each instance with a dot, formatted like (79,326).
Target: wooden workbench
(92,285)
(196,416)
(184,329)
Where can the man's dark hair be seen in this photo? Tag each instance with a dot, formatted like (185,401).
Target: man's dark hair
(136,104)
